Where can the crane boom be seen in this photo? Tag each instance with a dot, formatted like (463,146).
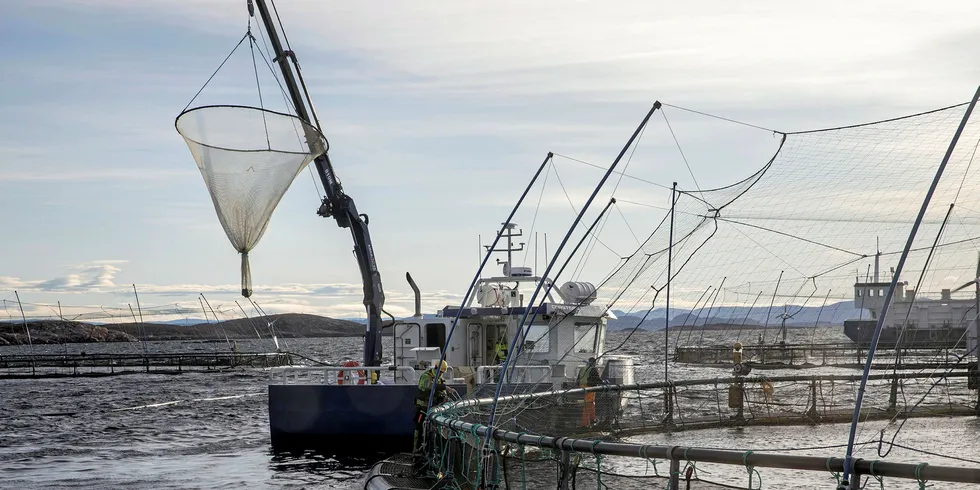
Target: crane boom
(336,203)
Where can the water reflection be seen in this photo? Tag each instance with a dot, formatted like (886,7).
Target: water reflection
(312,466)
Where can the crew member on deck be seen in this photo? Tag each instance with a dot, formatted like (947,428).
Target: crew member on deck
(589,376)
(440,396)
(501,350)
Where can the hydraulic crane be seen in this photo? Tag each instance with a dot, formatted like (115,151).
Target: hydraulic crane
(336,203)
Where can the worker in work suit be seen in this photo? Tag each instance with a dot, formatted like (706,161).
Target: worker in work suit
(501,350)
(589,376)
(441,395)
(500,355)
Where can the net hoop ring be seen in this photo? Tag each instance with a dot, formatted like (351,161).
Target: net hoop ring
(264,112)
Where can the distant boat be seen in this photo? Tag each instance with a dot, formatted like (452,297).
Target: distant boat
(911,322)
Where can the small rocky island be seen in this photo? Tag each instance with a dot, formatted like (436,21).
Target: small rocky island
(288,325)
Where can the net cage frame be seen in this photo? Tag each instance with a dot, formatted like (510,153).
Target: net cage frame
(458,446)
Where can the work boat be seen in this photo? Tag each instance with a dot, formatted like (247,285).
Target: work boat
(248,156)
(911,322)
(353,408)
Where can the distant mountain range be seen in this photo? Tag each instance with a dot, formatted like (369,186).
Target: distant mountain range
(734,316)
(289,325)
(730,316)
(297,325)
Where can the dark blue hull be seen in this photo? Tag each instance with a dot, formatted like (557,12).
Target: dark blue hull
(348,418)
(376,419)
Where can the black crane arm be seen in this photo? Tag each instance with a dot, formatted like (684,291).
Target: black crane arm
(336,203)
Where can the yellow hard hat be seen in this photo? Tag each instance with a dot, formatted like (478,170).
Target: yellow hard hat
(444,367)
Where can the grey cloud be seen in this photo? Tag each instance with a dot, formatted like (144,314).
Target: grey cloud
(58,284)
(90,277)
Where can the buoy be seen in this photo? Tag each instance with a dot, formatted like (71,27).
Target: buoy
(360,376)
(734,396)
(741,369)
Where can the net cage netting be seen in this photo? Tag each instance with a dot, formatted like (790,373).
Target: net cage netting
(248,157)
(770,262)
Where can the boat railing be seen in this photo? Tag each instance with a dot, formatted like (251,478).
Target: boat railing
(343,375)
(519,374)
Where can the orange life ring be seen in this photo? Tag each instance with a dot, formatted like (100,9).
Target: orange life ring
(361,376)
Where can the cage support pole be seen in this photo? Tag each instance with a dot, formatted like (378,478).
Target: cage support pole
(849,454)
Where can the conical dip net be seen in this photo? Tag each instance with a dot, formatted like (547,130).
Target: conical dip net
(248,158)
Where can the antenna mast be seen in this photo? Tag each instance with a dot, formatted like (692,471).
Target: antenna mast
(510,235)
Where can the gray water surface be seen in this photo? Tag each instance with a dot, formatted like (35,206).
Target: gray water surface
(210,429)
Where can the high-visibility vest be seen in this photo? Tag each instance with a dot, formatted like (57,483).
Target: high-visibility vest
(425,385)
(501,350)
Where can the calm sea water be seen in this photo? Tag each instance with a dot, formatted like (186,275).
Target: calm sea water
(210,429)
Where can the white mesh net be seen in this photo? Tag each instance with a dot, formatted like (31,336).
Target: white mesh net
(248,158)
(775,262)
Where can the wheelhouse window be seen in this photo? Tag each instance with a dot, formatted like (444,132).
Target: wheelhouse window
(538,338)
(585,336)
(435,335)
(500,328)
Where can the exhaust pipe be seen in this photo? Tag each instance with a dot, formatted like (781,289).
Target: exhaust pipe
(418,295)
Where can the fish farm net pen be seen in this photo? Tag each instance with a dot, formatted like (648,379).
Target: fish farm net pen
(588,456)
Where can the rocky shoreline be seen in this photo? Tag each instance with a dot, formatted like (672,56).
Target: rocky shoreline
(61,332)
(289,325)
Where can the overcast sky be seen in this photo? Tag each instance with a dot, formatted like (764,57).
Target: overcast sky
(437,114)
